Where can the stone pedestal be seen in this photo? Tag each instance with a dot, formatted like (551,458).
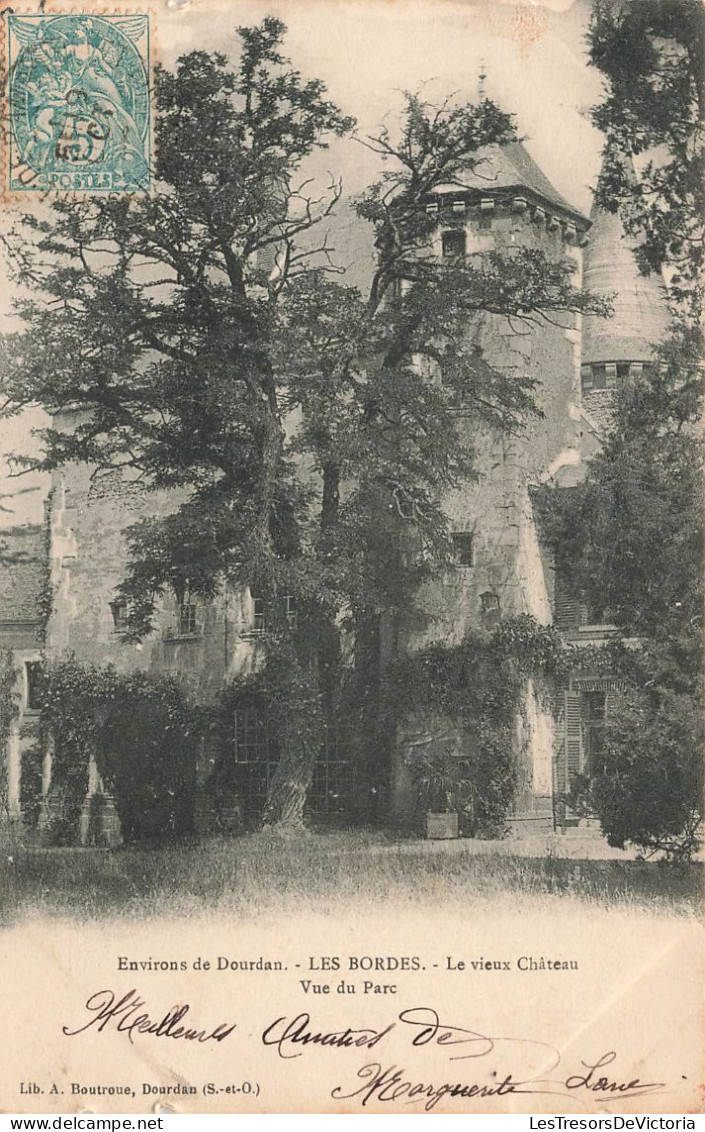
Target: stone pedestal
(47,762)
(14,774)
(99,824)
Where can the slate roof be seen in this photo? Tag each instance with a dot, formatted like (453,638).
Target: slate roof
(511,167)
(22,573)
(641,314)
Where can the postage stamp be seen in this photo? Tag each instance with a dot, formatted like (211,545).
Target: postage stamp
(78,103)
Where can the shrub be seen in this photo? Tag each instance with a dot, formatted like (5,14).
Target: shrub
(477,688)
(31,785)
(649,789)
(648,786)
(146,750)
(8,712)
(68,714)
(142,734)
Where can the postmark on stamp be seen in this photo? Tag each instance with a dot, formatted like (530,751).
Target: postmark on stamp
(78,103)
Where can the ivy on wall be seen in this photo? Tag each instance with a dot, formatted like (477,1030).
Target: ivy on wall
(647,788)
(477,687)
(9,710)
(288,693)
(142,733)
(67,703)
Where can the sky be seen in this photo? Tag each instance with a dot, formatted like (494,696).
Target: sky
(368,52)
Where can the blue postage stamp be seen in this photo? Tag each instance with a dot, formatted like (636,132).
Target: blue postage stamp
(79,103)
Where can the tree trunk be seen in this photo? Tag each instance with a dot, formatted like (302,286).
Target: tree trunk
(302,738)
(374,648)
(271,443)
(288,790)
(330,498)
(297,719)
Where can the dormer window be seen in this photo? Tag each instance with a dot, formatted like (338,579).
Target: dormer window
(410,547)
(453,243)
(599,376)
(607,375)
(429,369)
(594,376)
(487,208)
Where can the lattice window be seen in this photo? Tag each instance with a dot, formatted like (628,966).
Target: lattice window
(332,790)
(252,740)
(261,614)
(187,618)
(255,755)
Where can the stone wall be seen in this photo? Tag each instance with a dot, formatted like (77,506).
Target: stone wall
(89,515)
(508,562)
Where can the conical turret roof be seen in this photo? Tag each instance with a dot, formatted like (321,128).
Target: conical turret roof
(510,168)
(641,317)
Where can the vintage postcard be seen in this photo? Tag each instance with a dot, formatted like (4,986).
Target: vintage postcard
(350,557)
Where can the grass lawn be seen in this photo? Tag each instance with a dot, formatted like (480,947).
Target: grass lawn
(263,873)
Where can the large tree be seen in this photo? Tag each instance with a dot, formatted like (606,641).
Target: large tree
(652,56)
(631,538)
(194,327)
(631,534)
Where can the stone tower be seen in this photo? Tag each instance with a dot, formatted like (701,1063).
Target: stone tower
(614,351)
(506,203)
(615,348)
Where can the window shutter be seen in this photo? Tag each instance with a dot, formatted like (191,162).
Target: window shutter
(573,733)
(569,612)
